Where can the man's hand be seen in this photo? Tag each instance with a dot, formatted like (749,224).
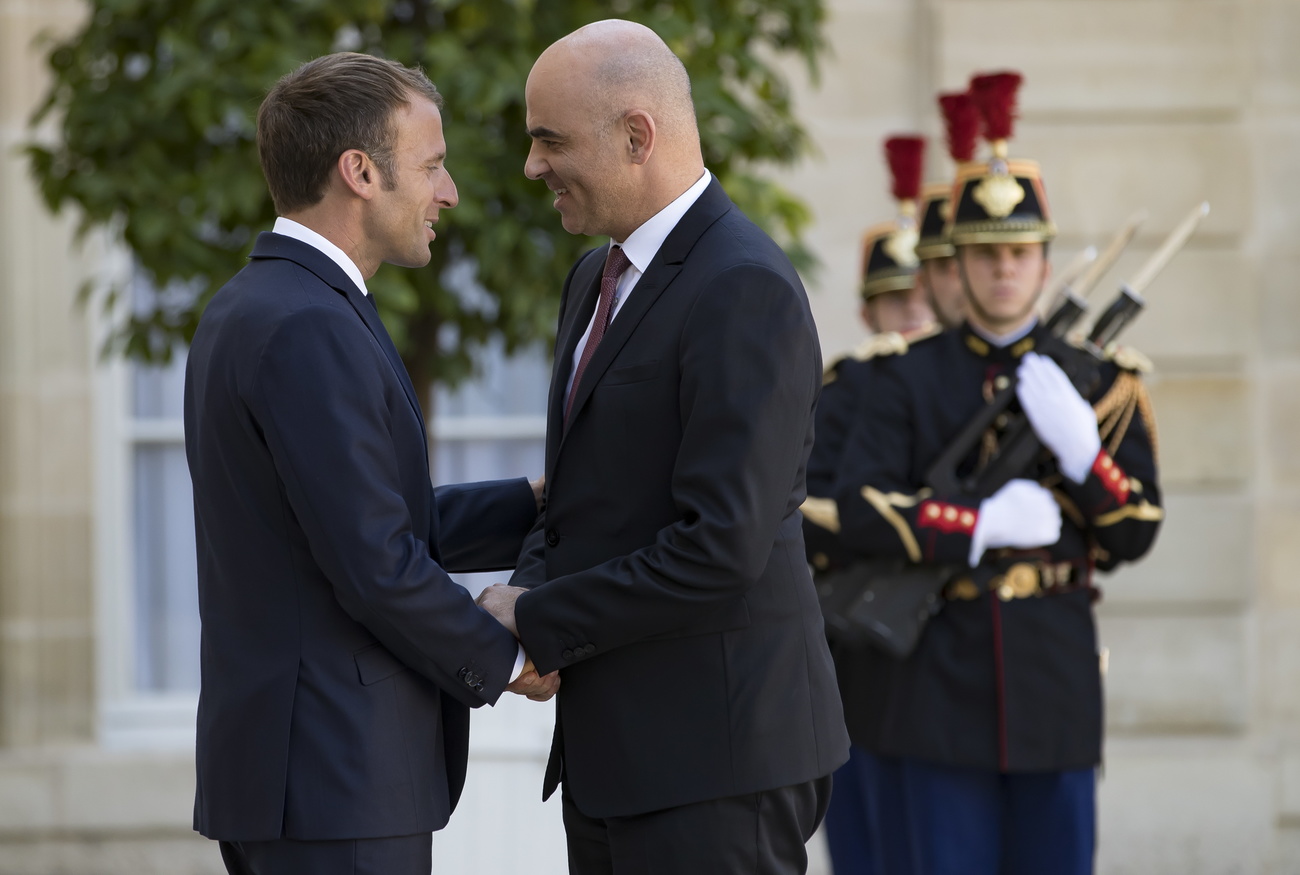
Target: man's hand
(1062,419)
(537,687)
(539,491)
(1020,514)
(499,601)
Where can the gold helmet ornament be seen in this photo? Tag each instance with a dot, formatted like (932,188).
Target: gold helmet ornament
(889,249)
(1000,200)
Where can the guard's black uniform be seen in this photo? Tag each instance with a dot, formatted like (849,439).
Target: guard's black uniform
(1006,677)
(837,407)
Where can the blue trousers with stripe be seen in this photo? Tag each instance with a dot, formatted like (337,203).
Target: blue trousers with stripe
(948,820)
(846,819)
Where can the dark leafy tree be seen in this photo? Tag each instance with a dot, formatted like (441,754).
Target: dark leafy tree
(154,103)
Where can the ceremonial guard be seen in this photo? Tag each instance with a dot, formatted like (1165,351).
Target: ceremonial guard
(992,725)
(936,273)
(896,311)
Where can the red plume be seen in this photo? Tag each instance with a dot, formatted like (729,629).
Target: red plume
(995,95)
(962,119)
(905,156)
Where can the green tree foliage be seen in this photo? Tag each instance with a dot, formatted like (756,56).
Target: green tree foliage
(155,103)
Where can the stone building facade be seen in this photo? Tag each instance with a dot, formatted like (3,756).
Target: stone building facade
(1127,104)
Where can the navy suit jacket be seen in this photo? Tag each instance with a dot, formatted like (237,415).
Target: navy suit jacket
(338,659)
(667,572)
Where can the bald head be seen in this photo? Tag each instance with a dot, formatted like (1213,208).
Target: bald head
(617,66)
(613,127)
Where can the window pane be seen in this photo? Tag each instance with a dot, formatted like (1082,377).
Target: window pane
(466,461)
(504,386)
(166,594)
(158,392)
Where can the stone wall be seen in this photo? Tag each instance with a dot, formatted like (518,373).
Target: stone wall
(1128,105)
(45,471)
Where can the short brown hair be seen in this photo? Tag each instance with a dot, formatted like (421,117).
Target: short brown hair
(316,113)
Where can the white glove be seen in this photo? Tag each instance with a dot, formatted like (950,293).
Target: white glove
(1062,419)
(1020,514)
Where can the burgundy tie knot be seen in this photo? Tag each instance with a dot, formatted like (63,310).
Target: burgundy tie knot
(615,263)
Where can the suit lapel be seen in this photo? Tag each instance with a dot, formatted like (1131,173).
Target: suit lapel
(584,287)
(662,270)
(278,246)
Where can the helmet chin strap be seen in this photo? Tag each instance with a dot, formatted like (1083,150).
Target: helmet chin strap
(980,317)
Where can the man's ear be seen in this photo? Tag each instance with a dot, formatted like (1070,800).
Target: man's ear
(358,173)
(639,128)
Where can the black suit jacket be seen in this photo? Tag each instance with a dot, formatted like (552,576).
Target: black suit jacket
(668,573)
(338,659)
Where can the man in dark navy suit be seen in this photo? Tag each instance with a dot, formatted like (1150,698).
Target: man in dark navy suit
(698,722)
(339,661)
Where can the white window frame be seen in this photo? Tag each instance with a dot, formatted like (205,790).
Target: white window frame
(127,718)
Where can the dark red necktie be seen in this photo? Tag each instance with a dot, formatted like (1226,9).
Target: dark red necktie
(615,263)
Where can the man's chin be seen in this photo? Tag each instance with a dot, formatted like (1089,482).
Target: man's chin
(417,258)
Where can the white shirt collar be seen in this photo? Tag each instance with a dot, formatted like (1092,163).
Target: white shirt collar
(643,243)
(1004,340)
(298,231)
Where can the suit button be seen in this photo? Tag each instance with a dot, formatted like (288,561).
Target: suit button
(552,537)
(478,688)
(461,674)
(589,649)
(567,654)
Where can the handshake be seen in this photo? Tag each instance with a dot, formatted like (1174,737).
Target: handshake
(499,601)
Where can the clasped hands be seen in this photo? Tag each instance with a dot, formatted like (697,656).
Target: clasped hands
(499,601)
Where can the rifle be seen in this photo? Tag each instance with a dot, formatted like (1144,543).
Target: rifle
(1020,448)
(886,603)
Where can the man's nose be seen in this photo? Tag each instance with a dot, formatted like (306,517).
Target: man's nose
(448,197)
(534,166)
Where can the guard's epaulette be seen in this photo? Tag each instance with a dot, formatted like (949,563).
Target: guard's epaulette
(877,346)
(1126,358)
(893,343)
(882,344)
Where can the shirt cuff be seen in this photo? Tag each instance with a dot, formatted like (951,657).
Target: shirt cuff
(519,664)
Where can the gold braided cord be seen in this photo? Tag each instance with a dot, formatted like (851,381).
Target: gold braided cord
(1115,396)
(1149,420)
(1116,408)
(1118,434)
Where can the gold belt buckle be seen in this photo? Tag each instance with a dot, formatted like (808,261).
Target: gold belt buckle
(1020,582)
(964,590)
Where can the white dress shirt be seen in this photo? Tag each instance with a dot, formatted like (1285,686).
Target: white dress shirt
(290,228)
(640,247)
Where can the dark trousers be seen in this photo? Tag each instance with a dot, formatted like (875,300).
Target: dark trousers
(400,855)
(755,834)
(960,821)
(887,816)
(846,819)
